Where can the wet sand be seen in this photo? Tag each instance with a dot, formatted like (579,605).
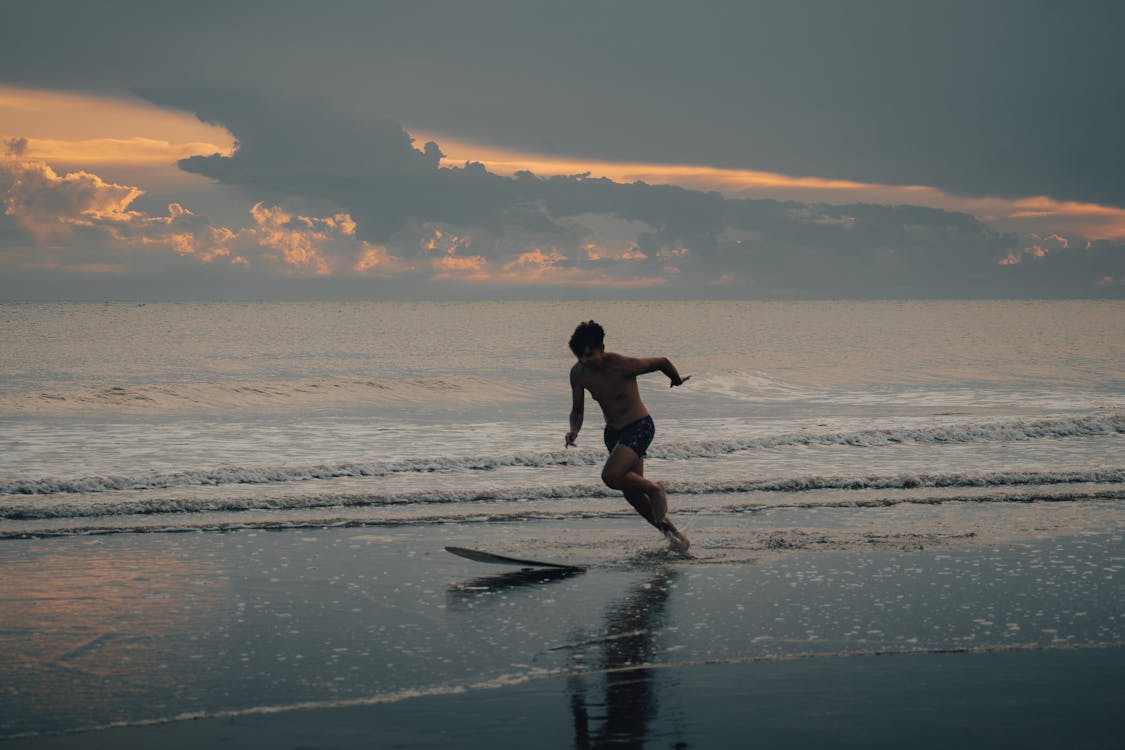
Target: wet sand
(343,637)
(1026,699)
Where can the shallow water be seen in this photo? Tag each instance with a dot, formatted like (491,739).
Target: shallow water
(138,628)
(855,477)
(188,410)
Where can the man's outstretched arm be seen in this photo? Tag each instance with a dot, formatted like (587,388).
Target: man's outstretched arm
(659,364)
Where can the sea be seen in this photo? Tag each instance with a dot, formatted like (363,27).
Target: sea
(235,512)
(132,418)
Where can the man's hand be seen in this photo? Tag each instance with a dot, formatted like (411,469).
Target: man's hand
(570,438)
(679,381)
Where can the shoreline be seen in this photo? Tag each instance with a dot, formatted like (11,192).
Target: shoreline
(245,627)
(1010,697)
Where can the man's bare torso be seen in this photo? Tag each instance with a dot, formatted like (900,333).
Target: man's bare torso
(614,387)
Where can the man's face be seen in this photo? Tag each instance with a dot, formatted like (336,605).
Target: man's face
(592,356)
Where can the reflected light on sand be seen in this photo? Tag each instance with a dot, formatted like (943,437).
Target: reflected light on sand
(82,626)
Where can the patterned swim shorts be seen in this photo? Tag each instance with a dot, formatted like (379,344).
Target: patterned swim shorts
(637,435)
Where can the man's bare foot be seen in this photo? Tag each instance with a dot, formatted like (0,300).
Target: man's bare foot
(675,537)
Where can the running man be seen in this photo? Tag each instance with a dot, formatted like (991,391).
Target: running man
(612,380)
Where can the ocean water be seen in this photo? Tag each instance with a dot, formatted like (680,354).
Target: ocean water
(125,417)
(857,479)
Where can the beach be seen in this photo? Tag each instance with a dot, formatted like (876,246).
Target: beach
(226,523)
(344,637)
(651,376)
(1043,699)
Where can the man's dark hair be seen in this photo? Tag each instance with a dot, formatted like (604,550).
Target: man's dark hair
(587,334)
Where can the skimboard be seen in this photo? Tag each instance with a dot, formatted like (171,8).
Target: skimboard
(489,557)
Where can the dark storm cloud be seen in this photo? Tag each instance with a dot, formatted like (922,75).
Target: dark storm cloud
(308,149)
(705,244)
(1054,273)
(999,97)
(1012,97)
(886,251)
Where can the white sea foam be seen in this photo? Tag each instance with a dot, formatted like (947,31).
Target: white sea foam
(1032,484)
(984,432)
(255,395)
(865,428)
(760,389)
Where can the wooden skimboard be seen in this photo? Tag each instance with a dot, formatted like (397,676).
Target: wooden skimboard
(489,557)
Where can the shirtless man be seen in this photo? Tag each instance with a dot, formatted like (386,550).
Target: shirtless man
(612,380)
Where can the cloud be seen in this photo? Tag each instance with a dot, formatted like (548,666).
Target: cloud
(15,146)
(300,240)
(54,208)
(320,246)
(118,151)
(89,216)
(337,196)
(1024,214)
(866,91)
(1036,247)
(181,231)
(48,205)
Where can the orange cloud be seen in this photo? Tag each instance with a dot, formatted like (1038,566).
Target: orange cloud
(51,206)
(184,232)
(534,264)
(48,205)
(444,241)
(301,240)
(92,152)
(622,250)
(1032,214)
(1087,220)
(1040,247)
(83,129)
(375,260)
(450,265)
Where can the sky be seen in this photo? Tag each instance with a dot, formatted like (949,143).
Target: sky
(525,150)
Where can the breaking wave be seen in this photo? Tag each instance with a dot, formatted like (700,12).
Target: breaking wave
(1087,426)
(256,395)
(1012,480)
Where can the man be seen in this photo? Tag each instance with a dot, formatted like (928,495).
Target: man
(612,380)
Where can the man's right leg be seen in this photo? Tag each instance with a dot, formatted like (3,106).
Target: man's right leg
(647,497)
(624,471)
(655,501)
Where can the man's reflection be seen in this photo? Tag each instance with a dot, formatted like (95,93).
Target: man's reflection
(630,698)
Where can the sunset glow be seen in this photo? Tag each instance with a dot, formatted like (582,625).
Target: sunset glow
(76,165)
(1088,220)
(784,335)
(70,130)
